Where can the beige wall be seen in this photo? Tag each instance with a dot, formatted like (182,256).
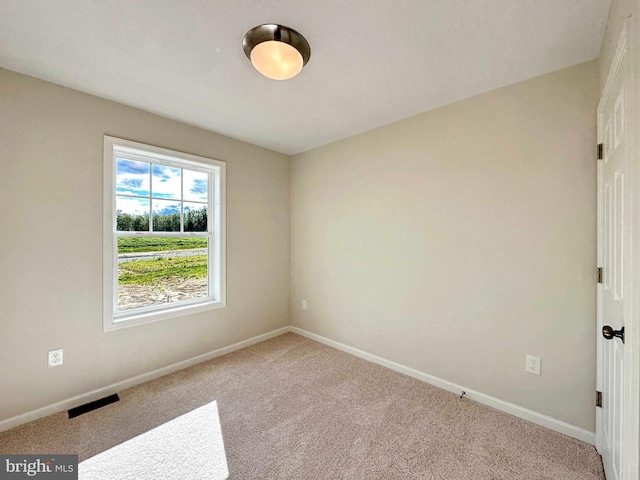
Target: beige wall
(457,241)
(453,242)
(51,245)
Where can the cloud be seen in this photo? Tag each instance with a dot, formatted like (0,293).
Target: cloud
(138,179)
(134,183)
(198,186)
(194,207)
(132,206)
(166,182)
(131,166)
(163,174)
(168,210)
(157,194)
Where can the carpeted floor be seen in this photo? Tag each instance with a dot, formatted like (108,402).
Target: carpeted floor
(291,408)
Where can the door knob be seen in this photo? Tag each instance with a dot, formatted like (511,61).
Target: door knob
(609,333)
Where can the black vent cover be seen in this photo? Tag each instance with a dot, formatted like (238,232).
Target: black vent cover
(87,407)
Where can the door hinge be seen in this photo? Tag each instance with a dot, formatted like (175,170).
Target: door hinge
(600,151)
(598,399)
(599,274)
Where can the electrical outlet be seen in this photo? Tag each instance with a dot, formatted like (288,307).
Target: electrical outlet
(55,358)
(532,365)
(304,304)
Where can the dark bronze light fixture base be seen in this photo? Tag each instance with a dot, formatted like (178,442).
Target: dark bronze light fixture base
(278,33)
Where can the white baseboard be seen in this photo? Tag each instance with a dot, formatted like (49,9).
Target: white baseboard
(526,414)
(131,382)
(530,415)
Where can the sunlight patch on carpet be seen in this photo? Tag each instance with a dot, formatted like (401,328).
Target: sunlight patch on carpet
(187,447)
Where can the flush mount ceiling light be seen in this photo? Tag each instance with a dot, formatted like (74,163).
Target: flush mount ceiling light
(276,51)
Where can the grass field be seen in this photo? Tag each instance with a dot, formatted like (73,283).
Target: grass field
(153,271)
(158,244)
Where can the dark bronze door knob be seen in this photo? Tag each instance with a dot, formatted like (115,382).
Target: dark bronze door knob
(609,333)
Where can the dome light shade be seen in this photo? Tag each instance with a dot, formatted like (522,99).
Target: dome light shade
(276,51)
(276,60)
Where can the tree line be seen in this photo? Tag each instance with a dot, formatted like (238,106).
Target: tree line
(194,221)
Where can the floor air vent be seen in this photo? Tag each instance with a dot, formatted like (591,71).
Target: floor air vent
(87,407)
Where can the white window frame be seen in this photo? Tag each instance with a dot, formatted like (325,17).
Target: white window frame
(112,319)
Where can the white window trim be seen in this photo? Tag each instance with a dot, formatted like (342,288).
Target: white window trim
(217,257)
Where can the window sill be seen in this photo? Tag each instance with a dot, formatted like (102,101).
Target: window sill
(134,319)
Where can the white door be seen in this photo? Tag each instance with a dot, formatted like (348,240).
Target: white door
(615,181)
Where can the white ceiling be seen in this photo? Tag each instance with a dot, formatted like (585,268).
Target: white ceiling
(372,61)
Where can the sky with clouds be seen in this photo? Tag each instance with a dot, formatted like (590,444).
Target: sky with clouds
(137,179)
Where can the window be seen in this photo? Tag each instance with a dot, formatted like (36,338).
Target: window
(163,233)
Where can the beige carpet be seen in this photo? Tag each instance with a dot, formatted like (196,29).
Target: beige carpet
(291,408)
(190,446)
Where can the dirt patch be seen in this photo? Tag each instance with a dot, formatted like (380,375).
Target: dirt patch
(169,290)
